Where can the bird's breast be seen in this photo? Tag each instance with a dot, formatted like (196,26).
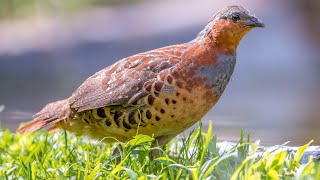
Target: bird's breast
(210,78)
(216,76)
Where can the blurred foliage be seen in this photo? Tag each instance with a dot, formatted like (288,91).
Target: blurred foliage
(22,8)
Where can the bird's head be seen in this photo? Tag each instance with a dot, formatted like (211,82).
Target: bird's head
(229,26)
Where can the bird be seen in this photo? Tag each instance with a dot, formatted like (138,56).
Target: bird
(159,93)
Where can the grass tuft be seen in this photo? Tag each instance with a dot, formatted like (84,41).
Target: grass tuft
(198,156)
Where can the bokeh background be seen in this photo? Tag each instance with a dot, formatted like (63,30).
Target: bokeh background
(48,48)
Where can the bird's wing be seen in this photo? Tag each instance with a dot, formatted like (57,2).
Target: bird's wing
(122,83)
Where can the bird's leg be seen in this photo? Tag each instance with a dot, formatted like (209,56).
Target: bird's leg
(160,142)
(155,153)
(117,153)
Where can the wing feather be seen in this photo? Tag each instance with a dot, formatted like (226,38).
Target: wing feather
(122,83)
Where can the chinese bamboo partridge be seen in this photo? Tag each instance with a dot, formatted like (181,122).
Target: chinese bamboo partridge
(160,92)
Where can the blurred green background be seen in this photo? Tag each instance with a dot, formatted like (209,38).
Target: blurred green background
(22,8)
(48,48)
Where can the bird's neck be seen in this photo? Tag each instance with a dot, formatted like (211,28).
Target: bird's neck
(222,36)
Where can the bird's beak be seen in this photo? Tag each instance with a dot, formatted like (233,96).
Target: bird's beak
(254,22)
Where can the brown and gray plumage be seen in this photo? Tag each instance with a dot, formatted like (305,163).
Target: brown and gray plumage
(161,92)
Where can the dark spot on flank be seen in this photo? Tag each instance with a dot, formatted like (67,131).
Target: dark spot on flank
(167,101)
(131,118)
(148,114)
(177,94)
(162,111)
(116,117)
(172,116)
(101,113)
(184,98)
(169,79)
(158,86)
(108,122)
(158,118)
(174,101)
(135,103)
(150,100)
(140,116)
(125,125)
(86,121)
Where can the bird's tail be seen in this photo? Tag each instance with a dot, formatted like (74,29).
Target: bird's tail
(48,117)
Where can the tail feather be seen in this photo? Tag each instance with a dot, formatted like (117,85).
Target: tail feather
(49,116)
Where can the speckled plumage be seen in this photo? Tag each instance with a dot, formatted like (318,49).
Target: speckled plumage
(161,92)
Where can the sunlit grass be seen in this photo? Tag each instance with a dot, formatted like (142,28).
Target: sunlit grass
(64,156)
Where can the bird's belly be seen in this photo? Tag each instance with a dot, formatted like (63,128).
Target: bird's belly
(178,111)
(168,113)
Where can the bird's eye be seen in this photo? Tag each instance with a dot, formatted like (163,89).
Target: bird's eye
(235,17)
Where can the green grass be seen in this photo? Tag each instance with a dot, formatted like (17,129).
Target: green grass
(63,156)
